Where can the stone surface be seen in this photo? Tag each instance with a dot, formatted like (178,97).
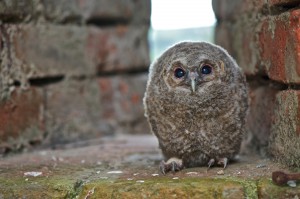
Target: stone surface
(127,167)
(285,137)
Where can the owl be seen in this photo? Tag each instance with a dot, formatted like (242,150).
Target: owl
(196,103)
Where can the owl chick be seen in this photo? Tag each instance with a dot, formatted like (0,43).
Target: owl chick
(196,102)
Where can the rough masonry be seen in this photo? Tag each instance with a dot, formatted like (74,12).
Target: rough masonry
(263,36)
(71,70)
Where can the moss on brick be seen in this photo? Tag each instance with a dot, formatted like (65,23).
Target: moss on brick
(165,187)
(285,142)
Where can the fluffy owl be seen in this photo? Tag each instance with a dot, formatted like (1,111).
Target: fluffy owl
(196,102)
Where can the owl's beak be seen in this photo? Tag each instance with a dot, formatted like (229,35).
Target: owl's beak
(193,76)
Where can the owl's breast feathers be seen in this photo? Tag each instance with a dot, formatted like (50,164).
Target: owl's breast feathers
(210,127)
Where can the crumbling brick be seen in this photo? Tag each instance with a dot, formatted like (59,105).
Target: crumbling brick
(50,50)
(285,133)
(98,12)
(22,119)
(263,36)
(121,99)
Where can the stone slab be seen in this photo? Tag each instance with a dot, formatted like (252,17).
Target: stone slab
(126,167)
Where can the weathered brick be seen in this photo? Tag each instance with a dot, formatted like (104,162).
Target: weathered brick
(78,11)
(119,49)
(283,2)
(49,50)
(90,108)
(265,46)
(121,101)
(101,12)
(285,131)
(16,10)
(266,189)
(232,10)
(260,117)
(240,40)
(73,111)
(21,118)
(279,43)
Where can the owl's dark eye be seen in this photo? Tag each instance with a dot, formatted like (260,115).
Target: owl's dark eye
(206,69)
(179,73)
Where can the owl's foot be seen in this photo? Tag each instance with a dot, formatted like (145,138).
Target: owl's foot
(173,164)
(211,163)
(222,161)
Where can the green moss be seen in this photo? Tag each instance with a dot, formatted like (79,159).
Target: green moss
(166,188)
(284,141)
(65,186)
(35,187)
(266,189)
(250,187)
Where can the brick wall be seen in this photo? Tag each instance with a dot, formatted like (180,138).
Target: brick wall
(71,70)
(264,38)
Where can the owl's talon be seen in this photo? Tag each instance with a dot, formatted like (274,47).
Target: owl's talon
(172,164)
(211,163)
(162,167)
(223,161)
(176,166)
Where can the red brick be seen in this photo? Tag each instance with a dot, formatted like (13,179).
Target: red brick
(61,11)
(47,50)
(268,46)
(22,118)
(50,50)
(121,103)
(73,111)
(279,43)
(86,109)
(240,40)
(285,136)
(232,10)
(16,10)
(137,12)
(118,49)
(283,2)
(100,12)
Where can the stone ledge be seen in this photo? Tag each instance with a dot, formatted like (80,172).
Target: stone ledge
(126,167)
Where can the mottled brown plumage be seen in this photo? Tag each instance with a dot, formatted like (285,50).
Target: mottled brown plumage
(196,103)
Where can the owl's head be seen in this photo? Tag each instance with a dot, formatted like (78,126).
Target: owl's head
(193,66)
